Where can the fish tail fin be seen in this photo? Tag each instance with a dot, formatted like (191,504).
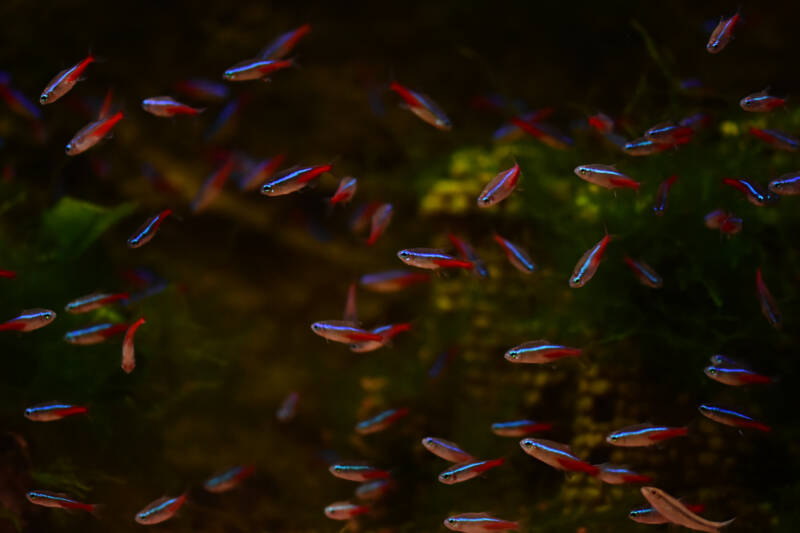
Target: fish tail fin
(453,263)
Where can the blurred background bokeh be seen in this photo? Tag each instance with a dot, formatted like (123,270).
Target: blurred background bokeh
(228,338)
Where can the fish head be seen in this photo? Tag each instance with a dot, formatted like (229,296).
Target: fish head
(650,493)
(485,200)
(70,149)
(229,75)
(513,355)
(614,438)
(318,328)
(582,171)
(451,523)
(712,372)
(405,256)
(448,477)
(44,97)
(531,447)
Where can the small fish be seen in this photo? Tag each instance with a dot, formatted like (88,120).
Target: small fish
(516,255)
(447,450)
(29,320)
(479,523)
(363,216)
(345,191)
(696,121)
(660,206)
(357,472)
(292,179)
(343,331)
(722,34)
(160,510)
(64,81)
(92,133)
(769,307)
(761,102)
(644,146)
(203,89)
(148,230)
(128,354)
(644,435)
(606,176)
(729,417)
(677,513)
(730,372)
(213,185)
(350,306)
(387,333)
(50,411)
(644,273)
(467,470)
(648,515)
(345,510)
(58,500)
(787,184)
(586,266)
(431,259)
(166,106)
(669,133)
(731,225)
(540,352)
(557,455)
(755,194)
(380,221)
(776,139)
(256,69)
(715,218)
(288,407)
(94,334)
(94,301)
(17,101)
(619,475)
(602,123)
(392,280)
(544,133)
(519,428)
(260,173)
(468,253)
(510,131)
(380,421)
(229,479)
(500,187)
(282,45)
(226,116)
(374,490)
(422,106)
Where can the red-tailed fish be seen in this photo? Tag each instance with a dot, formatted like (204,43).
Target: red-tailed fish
(345,510)
(422,106)
(213,185)
(786,185)
(345,191)
(605,176)
(468,470)
(648,515)
(733,373)
(64,81)
(644,273)
(660,206)
(387,333)
(148,230)
(722,34)
(761,102)
(93,301)
(479,523)
(50,411)
(557,455)
(374,490)
(29,320)
(586,267)
(359,472)
(619,475)
(754,192)
(392,280)
(500,187)
(731,417)
(447,450)
(160,510)
(166,106)
(94,334)
(343,331)
(380,221)
(516,255)
(776,139)
(519,428)
(128,354)
(466,251)
(256,69)
(769,307)
(92,133)
(677,513)
(669,133)
(644,435)
(58,500)
(380,421)
(283,44)
(293,179)
(540,352)
(431,259)
(228,479)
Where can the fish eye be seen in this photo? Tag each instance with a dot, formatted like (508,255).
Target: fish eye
(613,437)
(43,98)
(446,475)
(527,444)
(712,371)
(69,147)
(451,520)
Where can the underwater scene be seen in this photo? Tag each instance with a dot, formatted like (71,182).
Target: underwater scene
(471,266)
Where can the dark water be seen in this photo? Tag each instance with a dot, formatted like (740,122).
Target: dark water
(229,337)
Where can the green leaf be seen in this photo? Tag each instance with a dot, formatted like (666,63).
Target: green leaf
(70,227)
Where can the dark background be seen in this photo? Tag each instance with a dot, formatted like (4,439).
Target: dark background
(230,337)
